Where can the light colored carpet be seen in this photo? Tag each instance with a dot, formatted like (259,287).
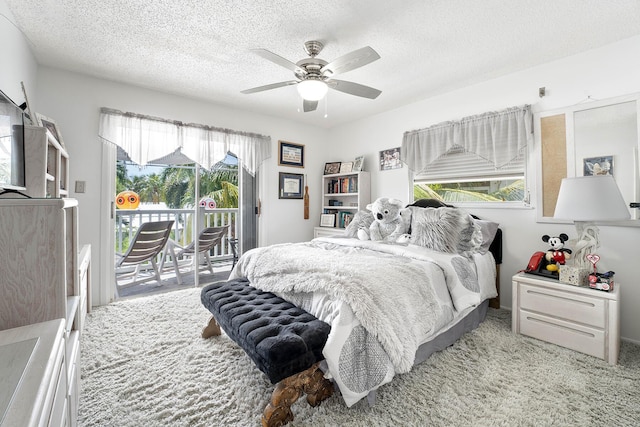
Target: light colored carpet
(145,364)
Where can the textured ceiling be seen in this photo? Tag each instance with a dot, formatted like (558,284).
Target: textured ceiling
(201,48)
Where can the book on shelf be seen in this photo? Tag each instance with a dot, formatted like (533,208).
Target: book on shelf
(343,185)
(344,218)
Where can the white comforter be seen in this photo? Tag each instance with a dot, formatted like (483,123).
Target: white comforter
(382,301)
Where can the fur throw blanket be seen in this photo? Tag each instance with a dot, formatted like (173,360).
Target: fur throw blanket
(390,295)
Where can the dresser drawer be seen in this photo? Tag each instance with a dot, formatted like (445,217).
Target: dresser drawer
(564,305)
(580,338)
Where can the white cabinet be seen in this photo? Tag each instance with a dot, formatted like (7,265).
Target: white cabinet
(33,375)
(579,318)
(344,194)
(326,231)
(40,275)
(46,164)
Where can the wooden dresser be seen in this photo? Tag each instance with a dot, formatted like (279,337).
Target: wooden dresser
(576,317)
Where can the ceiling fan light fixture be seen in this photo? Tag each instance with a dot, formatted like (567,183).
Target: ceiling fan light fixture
(312,90)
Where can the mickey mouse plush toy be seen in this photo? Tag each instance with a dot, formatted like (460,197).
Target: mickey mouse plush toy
(557,254)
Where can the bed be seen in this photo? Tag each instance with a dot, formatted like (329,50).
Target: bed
(389,306)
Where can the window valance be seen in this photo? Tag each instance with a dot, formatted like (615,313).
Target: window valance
(146,139)
(498,137)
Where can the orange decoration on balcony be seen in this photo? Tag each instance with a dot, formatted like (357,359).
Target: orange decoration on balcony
(127,200)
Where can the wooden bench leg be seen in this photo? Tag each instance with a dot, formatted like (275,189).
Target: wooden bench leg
(212,329)
(311,382)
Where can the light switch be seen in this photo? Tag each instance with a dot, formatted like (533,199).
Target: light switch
(80,186)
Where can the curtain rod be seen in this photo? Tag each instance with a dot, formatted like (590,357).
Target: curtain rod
(106,110)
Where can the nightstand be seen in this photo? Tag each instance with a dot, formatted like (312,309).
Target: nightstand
(575,317)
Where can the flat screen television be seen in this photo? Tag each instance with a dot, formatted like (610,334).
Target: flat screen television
(11,145)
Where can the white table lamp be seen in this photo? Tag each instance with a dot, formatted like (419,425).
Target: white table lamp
(585,200)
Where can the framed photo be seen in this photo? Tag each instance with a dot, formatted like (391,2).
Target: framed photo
(290,154)
(51,126)
(357,165)
(331,168)
(346,167)
(390,159)
(598,166)
(327,220)
(291,185)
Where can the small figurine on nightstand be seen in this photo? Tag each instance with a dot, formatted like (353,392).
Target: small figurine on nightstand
(601,281)
(557,254)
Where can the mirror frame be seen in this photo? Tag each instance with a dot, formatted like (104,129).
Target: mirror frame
(548,130)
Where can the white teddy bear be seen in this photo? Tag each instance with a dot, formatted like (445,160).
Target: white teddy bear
(390,222)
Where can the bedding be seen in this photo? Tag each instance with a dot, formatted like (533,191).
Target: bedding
(382,300)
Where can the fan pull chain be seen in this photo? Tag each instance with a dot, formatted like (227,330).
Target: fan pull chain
(326,102)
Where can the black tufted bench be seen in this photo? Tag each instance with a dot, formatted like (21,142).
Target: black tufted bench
(279,337)
(284,341)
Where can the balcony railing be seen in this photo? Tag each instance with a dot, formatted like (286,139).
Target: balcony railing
(128,221)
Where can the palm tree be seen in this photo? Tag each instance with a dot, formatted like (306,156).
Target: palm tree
(122,181)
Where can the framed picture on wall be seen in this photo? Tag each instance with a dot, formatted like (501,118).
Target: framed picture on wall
(598,166)
(390,159)
(291,185)
(290,154)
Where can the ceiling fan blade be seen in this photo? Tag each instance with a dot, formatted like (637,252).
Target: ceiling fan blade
(354,88)
(268,87)
(277,59)
(351,61)
(309,105)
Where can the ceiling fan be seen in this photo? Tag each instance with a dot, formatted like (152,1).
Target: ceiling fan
(314,76)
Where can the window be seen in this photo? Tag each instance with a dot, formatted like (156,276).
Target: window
(460,176)
(477,159)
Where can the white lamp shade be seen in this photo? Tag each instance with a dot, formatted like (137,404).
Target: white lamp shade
(312,90)
(590,198)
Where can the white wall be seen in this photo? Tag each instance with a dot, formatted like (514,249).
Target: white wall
(22,65)
(601,73)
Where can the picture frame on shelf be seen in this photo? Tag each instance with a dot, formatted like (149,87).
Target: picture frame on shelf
(390,159)
(290,154)
(51,126)
(358,164)
(346,167)
(290,185)
(332,168)
(327,220)
(26,107)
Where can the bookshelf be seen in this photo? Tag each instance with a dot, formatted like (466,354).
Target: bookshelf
(46,164)
(344,194)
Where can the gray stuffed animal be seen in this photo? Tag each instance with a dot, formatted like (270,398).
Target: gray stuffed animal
(390,222)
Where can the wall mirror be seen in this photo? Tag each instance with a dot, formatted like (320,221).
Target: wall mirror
(590,138)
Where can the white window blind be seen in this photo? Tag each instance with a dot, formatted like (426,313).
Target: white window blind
(459,165)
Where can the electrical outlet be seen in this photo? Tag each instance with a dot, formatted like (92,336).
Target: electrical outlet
(80,186)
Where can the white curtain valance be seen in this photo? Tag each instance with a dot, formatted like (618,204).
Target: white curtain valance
(498,137)
(146,139)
